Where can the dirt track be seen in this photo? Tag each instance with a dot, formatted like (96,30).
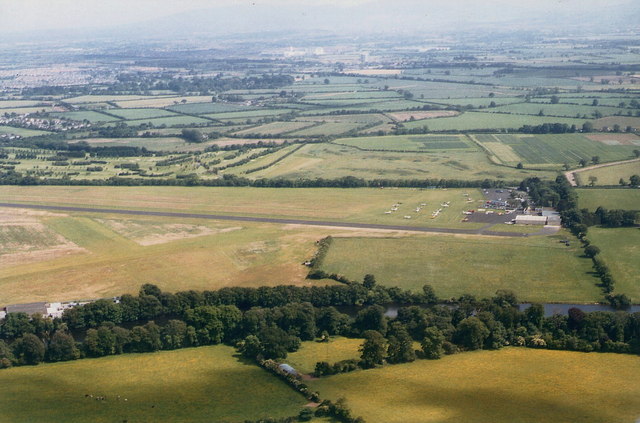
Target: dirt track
(481,231)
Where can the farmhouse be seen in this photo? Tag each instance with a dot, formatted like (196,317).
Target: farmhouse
(523,219)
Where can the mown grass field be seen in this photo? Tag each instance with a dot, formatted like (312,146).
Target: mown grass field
(132,114)
(536,269)
(620,249)
(609,175)
(91,116)
(625,199)
(510,385)
(365,205)
(190,385)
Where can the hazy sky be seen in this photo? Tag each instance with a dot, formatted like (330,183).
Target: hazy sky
(20,15)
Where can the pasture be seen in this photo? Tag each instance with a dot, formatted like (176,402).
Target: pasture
(470,265)
(132,114)
(510,385)
(91,116)
(304,360)
(189,385)
(625,199)
(609,175)
(620,250)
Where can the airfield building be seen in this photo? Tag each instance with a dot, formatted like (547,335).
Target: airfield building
(525,219)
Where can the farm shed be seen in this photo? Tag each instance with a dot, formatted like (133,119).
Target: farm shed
(524,219)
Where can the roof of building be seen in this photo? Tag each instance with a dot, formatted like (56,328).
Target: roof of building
(287,368)
(530,218)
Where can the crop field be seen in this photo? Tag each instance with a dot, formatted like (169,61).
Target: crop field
(620,250)
(477,102)
(132,114)
(358,95)
(93,117)
(470,265)
(549,149)
(609,175)
(623,121)
(189,385)
(510,385)
(479,120)
(364,118)
(11,104)
(21,131)
(409,142)
(332,161)
(625,199)
(426,114)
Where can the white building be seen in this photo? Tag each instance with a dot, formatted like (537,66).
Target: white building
(525,219)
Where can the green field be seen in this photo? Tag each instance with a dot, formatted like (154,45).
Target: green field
(304,360)
(275,128)
(169,121)
(93,117)
(329,128)
(120,254)
(550,149)
(625,199)
(566,110)
(248,113)
(132,114)
(409,142)
(201,108)
(478,120)
(470,265)
(620,250)
(190,385)
(332,161)
(609,175)
(21,131)
(510,385)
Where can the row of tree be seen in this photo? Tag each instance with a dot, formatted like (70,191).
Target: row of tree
(268,323)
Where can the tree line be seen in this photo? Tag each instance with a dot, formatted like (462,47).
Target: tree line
(269,322)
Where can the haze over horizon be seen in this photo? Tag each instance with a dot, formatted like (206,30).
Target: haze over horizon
(169,18)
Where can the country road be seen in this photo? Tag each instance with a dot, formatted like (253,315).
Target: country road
(481,231)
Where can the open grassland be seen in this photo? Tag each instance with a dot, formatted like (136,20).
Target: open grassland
(625,199)
(332,161)
(275,128)
(248,113)
(609,175)
(550,149)
(536,269)
(154,144)
(620,250)
(107,98)
(161,101)
(328,128)
(409,142)
(479,120)
(190,385)
(120,254)
(510,385)
(304,360)
(624,121)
